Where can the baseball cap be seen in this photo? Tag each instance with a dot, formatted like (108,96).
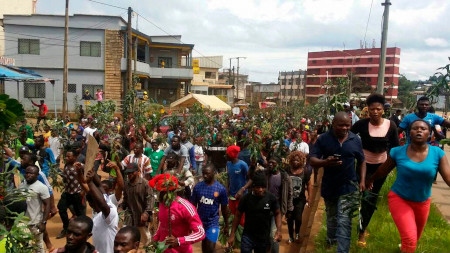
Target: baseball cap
(346,104)
(24,149)
(131,167)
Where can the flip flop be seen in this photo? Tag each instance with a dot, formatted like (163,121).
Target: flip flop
(361,244)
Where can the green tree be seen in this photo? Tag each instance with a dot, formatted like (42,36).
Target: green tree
(441,87)
(405,88)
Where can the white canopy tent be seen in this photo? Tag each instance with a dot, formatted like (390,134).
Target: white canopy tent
(209,102)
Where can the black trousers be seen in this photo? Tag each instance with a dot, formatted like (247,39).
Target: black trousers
(67,200)
(370,198)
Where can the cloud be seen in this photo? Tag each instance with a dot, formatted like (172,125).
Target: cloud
(257,10)
(436,42)
(276,35)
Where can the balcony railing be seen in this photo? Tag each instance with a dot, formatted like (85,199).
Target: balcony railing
(154,72)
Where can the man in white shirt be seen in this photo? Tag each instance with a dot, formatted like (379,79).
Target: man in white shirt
(105,218)
(299,144)
(89,129)
(55,145)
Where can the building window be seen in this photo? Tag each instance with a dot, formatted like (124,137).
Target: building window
(72,88)
(210,75)
(92,88)
(328,61)
(34,90)
(368,79)
(370,59)
(314,61)
(164,62)
(90,48)
(388,59)
(349,60)
(358,59)
(29,46)
(340,60)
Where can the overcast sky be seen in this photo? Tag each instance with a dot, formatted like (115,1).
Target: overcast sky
(276,35)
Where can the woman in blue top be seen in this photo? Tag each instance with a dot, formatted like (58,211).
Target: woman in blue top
(409,199)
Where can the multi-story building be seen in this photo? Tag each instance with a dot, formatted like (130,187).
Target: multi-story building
(97,50)
(360,66)
(238,83)
(292,86)
(258,92)
(206,80)
(24,7)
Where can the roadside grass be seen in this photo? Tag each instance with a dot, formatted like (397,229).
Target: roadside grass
(384,236)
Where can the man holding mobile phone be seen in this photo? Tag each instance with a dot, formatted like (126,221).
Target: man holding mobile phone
(336,151)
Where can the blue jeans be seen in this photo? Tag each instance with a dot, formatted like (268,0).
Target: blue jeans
(339,221)
(248,245)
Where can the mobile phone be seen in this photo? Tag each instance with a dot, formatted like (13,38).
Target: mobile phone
(338,156)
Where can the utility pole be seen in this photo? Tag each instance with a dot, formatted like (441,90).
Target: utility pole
(129,51)
(229,74)
(380,84)
(237,86)
(65,64)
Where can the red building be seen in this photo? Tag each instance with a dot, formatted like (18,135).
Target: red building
(360,66)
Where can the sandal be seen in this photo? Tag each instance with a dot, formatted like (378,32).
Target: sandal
(361,244)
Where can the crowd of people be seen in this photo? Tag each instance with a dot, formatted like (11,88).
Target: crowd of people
(167,186)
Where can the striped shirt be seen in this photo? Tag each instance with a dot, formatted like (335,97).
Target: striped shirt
(143,163)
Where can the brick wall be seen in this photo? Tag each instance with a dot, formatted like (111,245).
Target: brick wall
(114,50)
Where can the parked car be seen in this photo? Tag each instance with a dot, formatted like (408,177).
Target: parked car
(165,121)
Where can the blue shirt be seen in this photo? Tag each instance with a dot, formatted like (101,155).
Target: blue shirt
(207,199)
(431,118)
(339,180)
(41,176)
(414,179)
(237,176)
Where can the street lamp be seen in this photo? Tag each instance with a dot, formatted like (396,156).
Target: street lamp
(353,57)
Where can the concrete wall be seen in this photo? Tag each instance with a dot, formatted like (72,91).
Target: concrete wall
(49,29)
(52,47)
(78,77)
(14,7)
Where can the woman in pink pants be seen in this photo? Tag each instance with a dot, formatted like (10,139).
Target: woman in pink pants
(409,199)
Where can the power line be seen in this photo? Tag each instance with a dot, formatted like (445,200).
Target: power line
(367,25)
(179,40)
(156,27)
(97,25)
(110,5)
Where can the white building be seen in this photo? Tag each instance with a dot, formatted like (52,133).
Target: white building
(14,7)
(97,54)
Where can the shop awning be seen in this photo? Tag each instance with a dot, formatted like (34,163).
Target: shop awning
(17,74)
